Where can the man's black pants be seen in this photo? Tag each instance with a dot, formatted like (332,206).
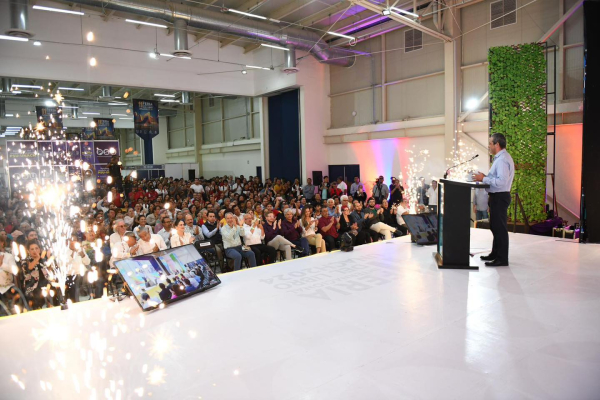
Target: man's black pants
(262,252)
(499,203)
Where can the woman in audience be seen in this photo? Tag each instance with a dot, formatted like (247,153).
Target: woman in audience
(34,276)
(389,214)
(350,225)
(180,237)
(142,225)
(309,224)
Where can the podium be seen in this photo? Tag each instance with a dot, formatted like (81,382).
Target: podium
(454,228)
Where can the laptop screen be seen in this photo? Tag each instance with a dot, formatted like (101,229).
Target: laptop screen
(166,276)
(422,227)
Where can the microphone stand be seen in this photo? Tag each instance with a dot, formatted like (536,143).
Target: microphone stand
(459,164)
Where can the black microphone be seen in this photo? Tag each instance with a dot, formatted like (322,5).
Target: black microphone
(459,164)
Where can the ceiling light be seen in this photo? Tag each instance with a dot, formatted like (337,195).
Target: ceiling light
(68,107)
(385,12)
(90,36)
(169,101)
(255,67)
(246,14)
(50,103)
(18,39)
(37,43)
(47,57)
(127,118)
(274,47)
(72,88)
(152,55)
(9,115)
(135,21)
(164,95)
(171,55)
(90,113)
(93,61)
(82,118)
(59,10)
(116,115)
(244,72)
(117,104)
(342,35)
(125,95)
(404,12)
(16,92)
(16,85)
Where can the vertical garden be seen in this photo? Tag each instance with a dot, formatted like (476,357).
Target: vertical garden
(517,90)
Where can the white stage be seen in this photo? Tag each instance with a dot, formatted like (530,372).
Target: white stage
(381,322)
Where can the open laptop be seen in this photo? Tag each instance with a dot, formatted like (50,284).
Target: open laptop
(423,228)
(167,276)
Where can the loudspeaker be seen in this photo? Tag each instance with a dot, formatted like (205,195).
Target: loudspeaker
(317,177)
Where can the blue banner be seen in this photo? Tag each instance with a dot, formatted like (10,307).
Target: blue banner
(145,118)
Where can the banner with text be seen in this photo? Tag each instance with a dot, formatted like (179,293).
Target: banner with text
(105,129)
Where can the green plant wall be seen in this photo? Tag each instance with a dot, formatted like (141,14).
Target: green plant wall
(517,90)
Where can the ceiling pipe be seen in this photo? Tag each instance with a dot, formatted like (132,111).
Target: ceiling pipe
(181,39)
(185,98)
(289,62)
(106,91)
(19,19)
(6,85)
(230,23)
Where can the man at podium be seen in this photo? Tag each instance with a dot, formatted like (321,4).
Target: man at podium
(500,179)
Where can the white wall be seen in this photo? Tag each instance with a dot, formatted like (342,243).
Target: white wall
(389,157)
(179,171)
(234,163)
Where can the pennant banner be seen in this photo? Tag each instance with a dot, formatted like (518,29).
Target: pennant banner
(105,129)
(145,118)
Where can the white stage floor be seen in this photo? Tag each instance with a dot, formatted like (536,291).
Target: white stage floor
(381,322)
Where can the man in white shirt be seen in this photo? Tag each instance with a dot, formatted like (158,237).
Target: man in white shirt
(126,248)
(254,233)
(342,185)
(8,269)
(79,262)
(197,187)
(402,209)
(119,229)
(166,231)
(432,194)
(149,243)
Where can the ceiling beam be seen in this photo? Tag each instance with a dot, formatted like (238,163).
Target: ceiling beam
(402,19)
(251,47)
(315,18)
(290,8)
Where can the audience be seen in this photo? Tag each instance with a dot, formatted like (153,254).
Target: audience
(238,217)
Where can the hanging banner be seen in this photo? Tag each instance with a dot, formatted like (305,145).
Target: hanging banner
(87,152)
(21,152)
(103,151)
(88,133)
(49,116)
(101,172)
(145,118)
(105,129)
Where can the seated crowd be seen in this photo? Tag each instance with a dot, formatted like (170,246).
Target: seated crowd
(235,221)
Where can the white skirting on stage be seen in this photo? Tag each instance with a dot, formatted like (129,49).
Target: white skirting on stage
(381,322)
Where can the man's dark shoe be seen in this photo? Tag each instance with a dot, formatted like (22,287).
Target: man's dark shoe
(489,257)
(496,263)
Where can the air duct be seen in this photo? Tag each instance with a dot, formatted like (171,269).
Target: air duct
(74,112)
(2,108)
(289,63)
(19,19)
(106,92)
(181,39)
(185,98)
(6,85)
(200,18)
